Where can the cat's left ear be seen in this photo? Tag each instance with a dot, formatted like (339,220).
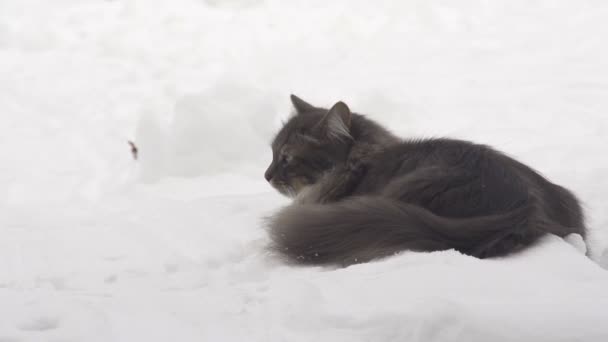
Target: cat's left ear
(300,105)
(336,122)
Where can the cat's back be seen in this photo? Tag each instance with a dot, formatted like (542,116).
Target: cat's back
(407,155)
(416,155)
(498,179)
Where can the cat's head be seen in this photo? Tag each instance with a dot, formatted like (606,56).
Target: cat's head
(311,143)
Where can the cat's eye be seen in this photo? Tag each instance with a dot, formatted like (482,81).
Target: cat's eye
(285,160)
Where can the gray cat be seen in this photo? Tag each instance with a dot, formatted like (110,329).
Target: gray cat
(360,193)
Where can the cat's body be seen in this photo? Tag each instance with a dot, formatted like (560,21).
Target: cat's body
(361,193)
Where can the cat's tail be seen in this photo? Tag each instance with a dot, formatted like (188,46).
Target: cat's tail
(365,228)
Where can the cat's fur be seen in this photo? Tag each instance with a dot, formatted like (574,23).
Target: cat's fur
(360,193)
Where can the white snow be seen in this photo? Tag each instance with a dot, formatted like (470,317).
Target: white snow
(97,247)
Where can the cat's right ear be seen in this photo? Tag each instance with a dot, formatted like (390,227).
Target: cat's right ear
(336,123)
(300,105)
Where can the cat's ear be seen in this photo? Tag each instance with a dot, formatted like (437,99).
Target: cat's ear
(336,122)
(300,105)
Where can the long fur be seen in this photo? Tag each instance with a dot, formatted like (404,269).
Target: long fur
(364,228)
(375,195)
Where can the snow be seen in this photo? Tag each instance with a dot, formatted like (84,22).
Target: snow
(96,246)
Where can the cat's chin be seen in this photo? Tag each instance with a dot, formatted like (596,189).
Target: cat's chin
(284,189)
(297,190)
(304,194)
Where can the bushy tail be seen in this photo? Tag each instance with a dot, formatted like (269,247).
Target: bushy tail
(365,228)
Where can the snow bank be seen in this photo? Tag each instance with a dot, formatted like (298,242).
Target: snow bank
(220,130)
(97,246)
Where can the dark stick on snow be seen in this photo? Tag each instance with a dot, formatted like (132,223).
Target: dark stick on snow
(133,149)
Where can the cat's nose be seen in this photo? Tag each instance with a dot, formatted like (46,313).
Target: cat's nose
(270,171)
(268,175)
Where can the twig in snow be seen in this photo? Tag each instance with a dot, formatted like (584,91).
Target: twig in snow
(133,149)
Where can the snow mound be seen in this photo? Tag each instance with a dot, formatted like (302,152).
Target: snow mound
(218,130)
(577,242)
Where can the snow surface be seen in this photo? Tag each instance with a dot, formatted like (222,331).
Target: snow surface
(98,247)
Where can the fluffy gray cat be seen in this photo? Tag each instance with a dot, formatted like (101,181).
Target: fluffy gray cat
(360,193)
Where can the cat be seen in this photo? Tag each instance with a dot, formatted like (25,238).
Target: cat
(360,193)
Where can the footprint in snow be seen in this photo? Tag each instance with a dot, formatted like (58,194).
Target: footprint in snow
(110,279)
(41,323)
(9,339)
(604,259)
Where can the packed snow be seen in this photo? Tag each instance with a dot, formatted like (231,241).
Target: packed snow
(96,246)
